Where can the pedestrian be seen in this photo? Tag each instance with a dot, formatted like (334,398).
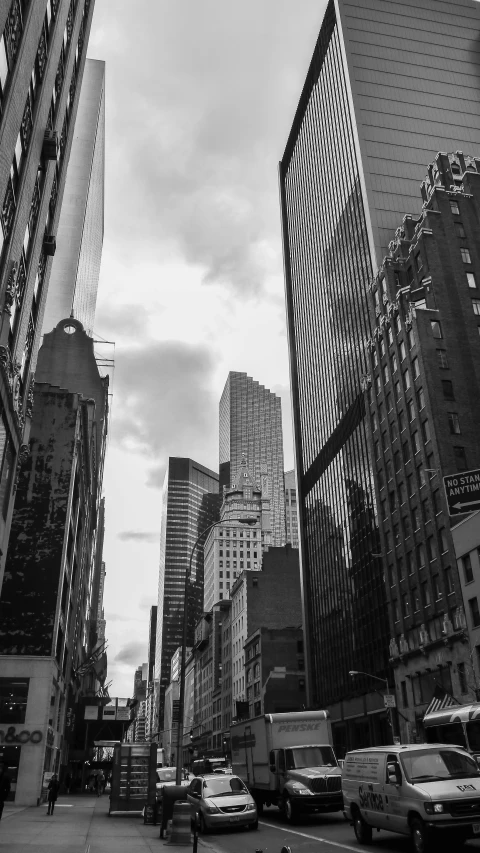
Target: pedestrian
(4,786)
(53,787)
(68,782)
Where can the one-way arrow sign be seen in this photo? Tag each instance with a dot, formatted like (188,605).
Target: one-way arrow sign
(462,492)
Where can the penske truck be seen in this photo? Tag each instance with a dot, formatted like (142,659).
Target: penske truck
(287,760)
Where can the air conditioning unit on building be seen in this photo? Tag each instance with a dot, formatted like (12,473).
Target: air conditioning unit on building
(49,245)
(50,145)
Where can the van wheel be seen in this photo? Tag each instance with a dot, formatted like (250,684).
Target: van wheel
(363,831)
(289,810)
(421,837)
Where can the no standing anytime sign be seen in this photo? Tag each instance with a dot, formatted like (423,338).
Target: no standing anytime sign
(462,492)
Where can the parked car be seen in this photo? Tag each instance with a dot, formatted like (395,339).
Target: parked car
(221,801)
(167,776)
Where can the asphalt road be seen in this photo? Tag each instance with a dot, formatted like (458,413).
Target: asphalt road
(316,834)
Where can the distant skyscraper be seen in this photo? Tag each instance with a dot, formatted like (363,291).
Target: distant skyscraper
(231,547)
(190,502)
(76,268)
(380,99)
(291,515)
(251,427)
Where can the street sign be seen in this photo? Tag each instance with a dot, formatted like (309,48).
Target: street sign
(389,700)
(462,492)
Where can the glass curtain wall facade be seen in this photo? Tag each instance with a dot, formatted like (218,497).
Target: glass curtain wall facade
(328,270)
(190,503)
(76,268)
(251,430)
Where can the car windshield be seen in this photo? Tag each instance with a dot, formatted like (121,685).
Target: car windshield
(433,765)
(166,774)
(223,786)
(310,756)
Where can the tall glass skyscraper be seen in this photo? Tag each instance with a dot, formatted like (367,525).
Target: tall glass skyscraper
(190,502)
(386,89)
(76,268)
(251,429)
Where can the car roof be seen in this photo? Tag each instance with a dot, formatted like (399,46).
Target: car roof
(216,776)
(405,746)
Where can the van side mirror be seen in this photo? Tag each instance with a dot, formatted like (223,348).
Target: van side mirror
(394,775)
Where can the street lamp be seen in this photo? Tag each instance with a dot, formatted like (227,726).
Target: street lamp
(384,681)
(248,520)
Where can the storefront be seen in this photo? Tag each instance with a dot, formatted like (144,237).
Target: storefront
(31,711)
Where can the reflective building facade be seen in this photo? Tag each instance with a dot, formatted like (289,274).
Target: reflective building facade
(76,268)
(42,56)
(367,123)
(251,428)
(190,503)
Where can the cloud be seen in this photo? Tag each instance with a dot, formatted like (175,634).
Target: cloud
(139,536)
(132,653)
(167,402)
(200,142)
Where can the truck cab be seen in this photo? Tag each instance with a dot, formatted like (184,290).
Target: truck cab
(301,772)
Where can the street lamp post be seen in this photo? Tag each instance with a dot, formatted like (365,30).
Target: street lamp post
(249,520)
(384,681)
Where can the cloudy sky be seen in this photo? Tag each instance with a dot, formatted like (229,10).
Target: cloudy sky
(200,96)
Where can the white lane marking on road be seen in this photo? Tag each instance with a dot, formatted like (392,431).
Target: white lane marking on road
(305,835)
(87,848)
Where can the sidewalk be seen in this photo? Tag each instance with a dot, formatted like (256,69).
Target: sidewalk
(80,824)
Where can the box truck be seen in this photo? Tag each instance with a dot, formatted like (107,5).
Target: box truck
(288,760)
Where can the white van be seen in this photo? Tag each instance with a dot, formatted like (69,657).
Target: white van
(415,790)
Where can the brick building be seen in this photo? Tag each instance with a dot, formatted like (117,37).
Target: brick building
(424,423)
(42,55)
(275,671)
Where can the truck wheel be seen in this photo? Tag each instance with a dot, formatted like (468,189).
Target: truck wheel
(363,831)
(289,810)
(259,805)
(421,837)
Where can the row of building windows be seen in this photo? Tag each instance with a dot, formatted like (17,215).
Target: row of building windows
(241,533)
(234,553)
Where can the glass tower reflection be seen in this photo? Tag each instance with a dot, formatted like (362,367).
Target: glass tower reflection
(328,270)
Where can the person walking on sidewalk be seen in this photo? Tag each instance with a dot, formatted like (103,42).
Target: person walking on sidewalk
(53,787)
(4,787)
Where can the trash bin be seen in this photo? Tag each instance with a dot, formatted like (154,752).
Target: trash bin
(171,794)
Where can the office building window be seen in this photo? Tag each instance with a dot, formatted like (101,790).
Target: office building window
(442,358)
(406,605)
(443,540)
(411,338)
(467,568)
(471,280)
(421,399)
(449,581)
(431,548)
(474,611)
(403,351)
(426,593)
(454,208)
(415,368)
(437,587)
(453,423)
(460,230)
(13,699)
(476,306)
(394,363)
(447,387)
(460,458)
(421,555)
(410,410)
(401,421)
(416,442)
(465,256)
(406,379)
(436,329)
(462,678)
(426,431)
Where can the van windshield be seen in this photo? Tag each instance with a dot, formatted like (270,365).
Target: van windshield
(433,765)
(310,756)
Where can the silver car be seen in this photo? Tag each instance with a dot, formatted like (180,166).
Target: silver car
(220,801)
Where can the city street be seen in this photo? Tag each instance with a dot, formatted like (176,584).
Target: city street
(326,834)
